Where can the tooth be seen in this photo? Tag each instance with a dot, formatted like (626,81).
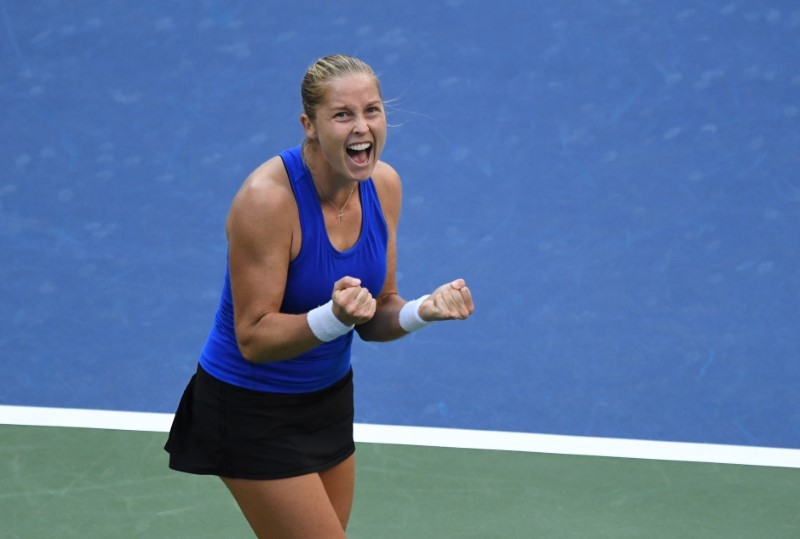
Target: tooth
(359,147)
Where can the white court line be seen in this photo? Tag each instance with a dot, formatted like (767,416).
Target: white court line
(438,437)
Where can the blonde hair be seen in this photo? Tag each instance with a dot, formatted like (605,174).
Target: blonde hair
(323,71)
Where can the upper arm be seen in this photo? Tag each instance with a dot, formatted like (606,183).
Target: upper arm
(259,230)
(389,189)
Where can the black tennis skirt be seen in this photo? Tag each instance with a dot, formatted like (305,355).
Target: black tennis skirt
(225,430)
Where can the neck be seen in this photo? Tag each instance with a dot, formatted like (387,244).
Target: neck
(328,185)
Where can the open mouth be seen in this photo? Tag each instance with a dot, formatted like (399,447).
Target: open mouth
(360,153)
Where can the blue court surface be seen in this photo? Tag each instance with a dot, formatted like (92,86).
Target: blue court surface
(618,182)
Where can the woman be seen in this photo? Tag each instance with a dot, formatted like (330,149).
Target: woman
(311,257)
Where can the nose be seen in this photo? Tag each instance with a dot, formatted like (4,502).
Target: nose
(360,124)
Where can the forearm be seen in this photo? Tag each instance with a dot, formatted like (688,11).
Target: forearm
(385,325)
(276,337)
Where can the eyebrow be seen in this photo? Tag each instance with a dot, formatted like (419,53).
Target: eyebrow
(343,106)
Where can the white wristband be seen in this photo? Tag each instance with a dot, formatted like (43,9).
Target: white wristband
(324,324)
(409,315)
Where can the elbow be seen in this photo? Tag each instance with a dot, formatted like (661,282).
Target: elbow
(254,350)
(248,350)
(251,356)
(251,342)
(256,355)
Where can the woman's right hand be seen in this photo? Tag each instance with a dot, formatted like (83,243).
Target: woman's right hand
(352,304)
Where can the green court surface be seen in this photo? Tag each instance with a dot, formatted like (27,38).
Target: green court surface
(93,483)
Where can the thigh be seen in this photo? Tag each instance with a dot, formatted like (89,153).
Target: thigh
(297,507)
(339,483)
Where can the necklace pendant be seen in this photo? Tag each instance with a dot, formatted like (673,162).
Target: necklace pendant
(340,211)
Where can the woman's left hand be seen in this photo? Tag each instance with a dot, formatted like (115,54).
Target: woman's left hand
(451,301)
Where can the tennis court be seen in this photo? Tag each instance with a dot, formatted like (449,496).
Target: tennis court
(617,183)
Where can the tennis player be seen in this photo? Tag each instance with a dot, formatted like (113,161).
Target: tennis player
(311,259)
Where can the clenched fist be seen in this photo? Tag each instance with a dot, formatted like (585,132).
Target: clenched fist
(352,304)
(451,301)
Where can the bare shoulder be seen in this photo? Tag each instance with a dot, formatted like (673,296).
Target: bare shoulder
(264,198)
(267,184)
(389,187)
(385,176)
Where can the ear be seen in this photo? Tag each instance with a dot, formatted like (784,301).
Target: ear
(308,127)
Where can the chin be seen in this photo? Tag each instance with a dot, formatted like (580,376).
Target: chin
(362,173)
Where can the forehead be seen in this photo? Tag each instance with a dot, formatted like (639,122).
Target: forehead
(351,90)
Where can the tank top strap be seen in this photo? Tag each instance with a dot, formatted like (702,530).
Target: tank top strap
(304,193)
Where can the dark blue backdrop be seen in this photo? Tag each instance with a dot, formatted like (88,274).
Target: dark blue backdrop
(617,181)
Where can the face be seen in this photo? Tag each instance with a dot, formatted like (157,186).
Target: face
(350,126)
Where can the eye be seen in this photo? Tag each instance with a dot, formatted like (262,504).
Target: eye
(374,109)
(342,114)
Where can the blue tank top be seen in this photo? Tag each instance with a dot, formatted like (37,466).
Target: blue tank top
(309,284)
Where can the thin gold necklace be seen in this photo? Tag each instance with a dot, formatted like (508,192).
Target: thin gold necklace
(339,211)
